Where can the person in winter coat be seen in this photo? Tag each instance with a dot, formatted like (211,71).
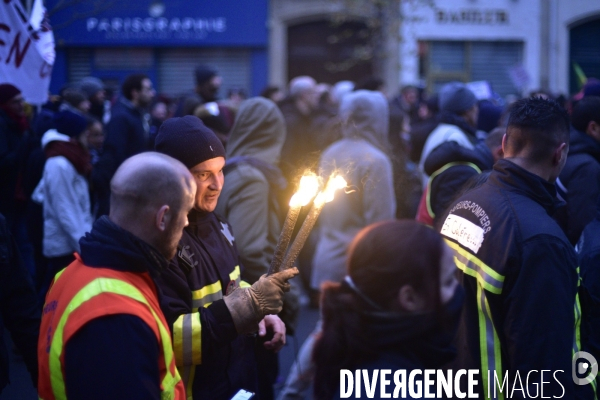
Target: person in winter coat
(588,252)
(252,183)
(103,335)
(14,127)
(63,191)
(396,308)
(579,182)
(207,305)
(360,158)
(19,310)
(127,134)
(249,201)
(458,120)
(517,266)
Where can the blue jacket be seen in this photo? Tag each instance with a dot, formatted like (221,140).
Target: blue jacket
(127,134)
(520,276)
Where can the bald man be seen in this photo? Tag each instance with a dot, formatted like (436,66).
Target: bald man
(103,335)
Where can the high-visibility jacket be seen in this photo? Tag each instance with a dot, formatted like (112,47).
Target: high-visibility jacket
(81,294)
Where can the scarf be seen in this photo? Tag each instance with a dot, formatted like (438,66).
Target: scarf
(72,151)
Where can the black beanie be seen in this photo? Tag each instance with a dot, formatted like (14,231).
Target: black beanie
(70,123)
(188,140)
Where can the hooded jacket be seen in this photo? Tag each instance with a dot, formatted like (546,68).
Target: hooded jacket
(64,195)
(361,159)
(450,166)
(249,196)
(451,128)
(579,184)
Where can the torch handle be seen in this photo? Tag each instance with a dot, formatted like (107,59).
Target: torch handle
(284,239)
(302,236)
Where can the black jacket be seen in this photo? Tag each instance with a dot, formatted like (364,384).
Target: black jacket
(579,184)
(193,287)
(19,311)
(588,249)
(520,278)
(127,134)
(448,184)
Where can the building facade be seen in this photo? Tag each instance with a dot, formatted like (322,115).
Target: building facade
(110,39)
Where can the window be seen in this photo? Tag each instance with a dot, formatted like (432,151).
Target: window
(445,61)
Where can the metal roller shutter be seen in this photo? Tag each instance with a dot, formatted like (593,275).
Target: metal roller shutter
(176,69)
(492,61)
(79,64)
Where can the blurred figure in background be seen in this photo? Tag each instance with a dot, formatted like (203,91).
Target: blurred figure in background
(95,92)
(273,93)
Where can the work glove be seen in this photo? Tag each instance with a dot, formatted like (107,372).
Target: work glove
(248,306)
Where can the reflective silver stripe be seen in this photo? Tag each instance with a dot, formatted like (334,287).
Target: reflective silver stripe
(187,339)
(209,298)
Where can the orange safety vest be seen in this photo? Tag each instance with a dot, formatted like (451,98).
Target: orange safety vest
(80,294)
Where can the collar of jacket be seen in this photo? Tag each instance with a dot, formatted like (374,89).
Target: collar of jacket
(128,104)
(447,117)
(512,177)
(582,143)
(110,246)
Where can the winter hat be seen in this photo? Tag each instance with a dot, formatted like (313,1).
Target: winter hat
(188,140)
(70,123)
(7,92)
(90,86)
(456,97)
(489,116)
(204,74)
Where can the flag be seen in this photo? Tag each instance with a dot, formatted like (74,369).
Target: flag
(26,49)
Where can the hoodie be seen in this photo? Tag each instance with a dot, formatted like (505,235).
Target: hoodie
(64,195)
(249,196)
(579,184)
(361,159)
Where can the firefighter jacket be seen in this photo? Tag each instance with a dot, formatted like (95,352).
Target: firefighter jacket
(213,360)
(520,276)
(92,312)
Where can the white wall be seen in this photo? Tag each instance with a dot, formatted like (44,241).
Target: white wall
(522,24)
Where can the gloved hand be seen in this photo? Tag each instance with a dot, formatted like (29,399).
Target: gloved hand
(248,306)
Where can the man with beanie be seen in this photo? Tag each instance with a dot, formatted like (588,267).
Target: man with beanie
(458,120)
(63,192)
(93,88)
(209,308)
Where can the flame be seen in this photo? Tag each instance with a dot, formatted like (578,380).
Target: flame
(307,189)
(334,183)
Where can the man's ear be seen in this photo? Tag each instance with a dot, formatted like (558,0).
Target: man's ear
(163,216)
(559,153)
(410,300)
(593,129)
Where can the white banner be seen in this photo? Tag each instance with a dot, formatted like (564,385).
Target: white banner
(26,50)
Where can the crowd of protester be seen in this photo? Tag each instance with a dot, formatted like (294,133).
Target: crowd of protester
(513,189)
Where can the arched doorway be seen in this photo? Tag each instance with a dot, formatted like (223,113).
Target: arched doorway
(584,51)
(329,52)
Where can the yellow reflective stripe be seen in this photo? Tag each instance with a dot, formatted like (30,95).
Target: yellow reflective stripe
(473,266)
(58,274)
(92,289)
(489,346)
(436,173)
(235,274)
(205,296)
(178,341)
(244,284)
